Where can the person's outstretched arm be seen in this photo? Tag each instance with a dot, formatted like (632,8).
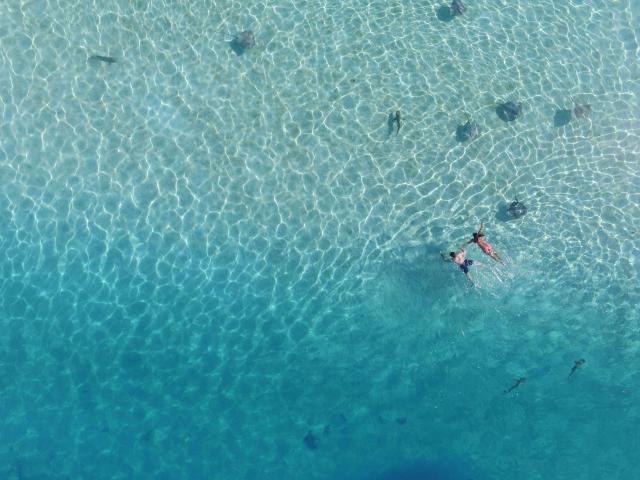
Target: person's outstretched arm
(446,259)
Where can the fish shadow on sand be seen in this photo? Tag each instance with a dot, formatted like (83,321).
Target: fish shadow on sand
(561,118)
(97,59)
(502,213)
(444,13)
(391,123)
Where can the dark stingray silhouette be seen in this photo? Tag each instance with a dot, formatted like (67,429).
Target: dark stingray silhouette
(468,131)
(336,423)
(582,110)
(242,42)
(458,8)
(509,111)
(310,440)
(516,209)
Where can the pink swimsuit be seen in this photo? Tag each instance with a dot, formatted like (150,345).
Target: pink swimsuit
(486,248)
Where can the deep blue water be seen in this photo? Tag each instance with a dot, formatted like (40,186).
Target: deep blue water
(209,254)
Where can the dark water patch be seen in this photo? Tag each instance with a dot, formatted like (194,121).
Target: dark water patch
(561,118)
(237,48)
(502,213)
(134,365)
(310,440)
(418,269)
(420,470)
(461,134)
(444,13)
(336,422)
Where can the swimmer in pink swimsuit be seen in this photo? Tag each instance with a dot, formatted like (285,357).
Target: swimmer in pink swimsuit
(478,237)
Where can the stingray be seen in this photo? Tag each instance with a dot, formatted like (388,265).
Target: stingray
(243,41)
(310,440)
(516,209)
(509,111)
(338,421)
(468,131)
(457,7)
(582,111)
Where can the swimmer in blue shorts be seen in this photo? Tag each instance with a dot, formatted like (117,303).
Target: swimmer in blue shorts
(460,259)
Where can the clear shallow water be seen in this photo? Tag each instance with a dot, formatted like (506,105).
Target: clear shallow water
(206,255)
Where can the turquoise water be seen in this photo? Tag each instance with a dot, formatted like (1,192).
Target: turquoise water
(207,256)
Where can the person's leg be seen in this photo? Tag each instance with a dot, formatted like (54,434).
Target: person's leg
(468,275)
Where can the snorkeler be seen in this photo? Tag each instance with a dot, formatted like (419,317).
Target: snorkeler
(460,259)
(478,237)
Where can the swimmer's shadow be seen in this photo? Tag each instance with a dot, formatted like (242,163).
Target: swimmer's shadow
(418,268)
(419,470)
